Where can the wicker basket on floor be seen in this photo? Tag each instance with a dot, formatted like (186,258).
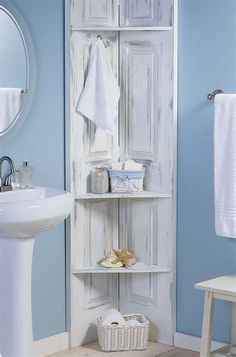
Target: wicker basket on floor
(124,338)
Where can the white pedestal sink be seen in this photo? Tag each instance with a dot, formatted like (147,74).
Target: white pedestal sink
(23,215)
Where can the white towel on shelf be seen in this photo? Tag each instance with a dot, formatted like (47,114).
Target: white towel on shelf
(100,96)
(225,165)
(10,104)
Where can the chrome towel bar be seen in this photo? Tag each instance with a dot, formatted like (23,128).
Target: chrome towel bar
(212,95)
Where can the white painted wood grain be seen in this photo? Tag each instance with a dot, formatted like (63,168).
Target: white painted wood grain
(146,13)
(94,12)
(111,195)
(137,268)
(124,28)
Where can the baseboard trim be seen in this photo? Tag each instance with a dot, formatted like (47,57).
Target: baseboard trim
(192,343)
(51,344)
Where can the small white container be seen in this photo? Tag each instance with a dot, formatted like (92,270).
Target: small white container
(124,338)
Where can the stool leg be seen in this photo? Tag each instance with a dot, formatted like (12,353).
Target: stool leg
(207,325)
(233,328)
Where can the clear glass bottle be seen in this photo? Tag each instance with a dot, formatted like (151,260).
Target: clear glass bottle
(17,178)
(27,175)
(99,181)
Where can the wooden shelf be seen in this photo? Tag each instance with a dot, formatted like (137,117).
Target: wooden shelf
(144,194)
(136,268)
(123,28)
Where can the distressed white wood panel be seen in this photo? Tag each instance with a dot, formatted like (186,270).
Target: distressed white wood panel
(94,225)
(159,314)
(140,82)
(101,230)
(146,13)
(140,236)
(89,147)
(94,233)
(147,105)
(146,136)
(149,238)
(102,296)
(94,13)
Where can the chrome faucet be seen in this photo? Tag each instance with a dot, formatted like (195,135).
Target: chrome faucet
(5,182)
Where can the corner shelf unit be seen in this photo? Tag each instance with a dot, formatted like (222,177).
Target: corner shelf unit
(141,44)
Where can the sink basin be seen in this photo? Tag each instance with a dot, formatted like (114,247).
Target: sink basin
(23,214)
(27,212)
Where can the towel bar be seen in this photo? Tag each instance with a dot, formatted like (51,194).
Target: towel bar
(212,95)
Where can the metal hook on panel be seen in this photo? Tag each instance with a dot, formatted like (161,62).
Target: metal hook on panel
(106,43)
(212,95)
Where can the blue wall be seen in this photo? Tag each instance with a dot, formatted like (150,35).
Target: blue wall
(207,60)
(42,137)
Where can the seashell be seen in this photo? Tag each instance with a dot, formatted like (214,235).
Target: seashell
(108,264)
(118,258)
(132,261)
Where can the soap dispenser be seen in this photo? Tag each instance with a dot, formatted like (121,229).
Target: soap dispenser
(27,175)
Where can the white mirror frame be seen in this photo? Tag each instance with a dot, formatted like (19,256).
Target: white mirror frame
(16,17)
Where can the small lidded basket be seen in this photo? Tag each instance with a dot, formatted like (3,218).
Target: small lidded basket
(126,181)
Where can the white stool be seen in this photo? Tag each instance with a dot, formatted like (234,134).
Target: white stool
(223,288)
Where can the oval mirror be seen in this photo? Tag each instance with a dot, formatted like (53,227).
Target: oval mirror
(15,55)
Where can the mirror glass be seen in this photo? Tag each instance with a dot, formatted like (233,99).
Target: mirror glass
(13,70)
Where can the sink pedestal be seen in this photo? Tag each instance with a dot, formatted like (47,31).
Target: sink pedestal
(16,337)
(24,213)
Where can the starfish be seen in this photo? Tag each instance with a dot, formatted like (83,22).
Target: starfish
(123,256)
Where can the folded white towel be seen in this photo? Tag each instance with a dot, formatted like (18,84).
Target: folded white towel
(225,165)
(99,98)
(10,104)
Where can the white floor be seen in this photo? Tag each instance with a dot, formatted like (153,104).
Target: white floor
(153,350)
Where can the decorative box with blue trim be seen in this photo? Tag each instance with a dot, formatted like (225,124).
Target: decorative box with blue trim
(126,181)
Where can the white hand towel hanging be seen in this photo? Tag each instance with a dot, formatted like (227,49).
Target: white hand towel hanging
(225,165)
(10,104)
(99,98)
